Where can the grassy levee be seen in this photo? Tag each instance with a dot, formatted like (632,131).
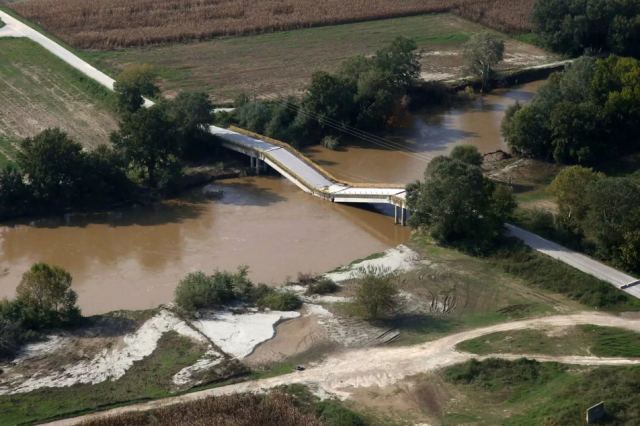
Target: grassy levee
(38,90)
(578,340)
(528,393)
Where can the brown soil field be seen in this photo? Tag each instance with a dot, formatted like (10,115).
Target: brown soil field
(108,24)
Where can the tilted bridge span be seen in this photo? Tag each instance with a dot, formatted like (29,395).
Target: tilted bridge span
(307,175)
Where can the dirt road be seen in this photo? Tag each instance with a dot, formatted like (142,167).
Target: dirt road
(383,366)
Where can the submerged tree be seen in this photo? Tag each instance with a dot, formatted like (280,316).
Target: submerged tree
(482,53)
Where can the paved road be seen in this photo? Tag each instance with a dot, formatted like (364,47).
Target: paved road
(383,366)
(579,261)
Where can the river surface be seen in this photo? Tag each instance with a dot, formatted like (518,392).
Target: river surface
(134,257)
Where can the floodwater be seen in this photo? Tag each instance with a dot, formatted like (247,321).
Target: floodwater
(402,155)
(133,258)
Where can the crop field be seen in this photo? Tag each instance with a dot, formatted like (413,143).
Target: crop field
(107,24)
(37,91)
(282,62)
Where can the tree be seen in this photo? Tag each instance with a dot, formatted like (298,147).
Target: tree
(570,187)
(147,140)
(613,213)
(191,114)
(482,53)
(53,166)
(376,293)
(468,154)
(132,84)
(458,205)
(46,296)
(15,198)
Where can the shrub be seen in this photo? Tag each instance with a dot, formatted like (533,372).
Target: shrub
(376,293)
(331,142)
(322,286)
(200,291)
(280,301)
(332,413)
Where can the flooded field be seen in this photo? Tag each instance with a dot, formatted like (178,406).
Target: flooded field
(133,258)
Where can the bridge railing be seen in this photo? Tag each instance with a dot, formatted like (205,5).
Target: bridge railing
(324,172)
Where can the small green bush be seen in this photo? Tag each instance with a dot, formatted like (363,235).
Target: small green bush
(200,291)
(377,294)
(280,301)
(333,413)
(322,286)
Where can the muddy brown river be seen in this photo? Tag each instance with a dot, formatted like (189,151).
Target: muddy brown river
(133,258)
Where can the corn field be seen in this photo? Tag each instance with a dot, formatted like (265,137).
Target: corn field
(111,24)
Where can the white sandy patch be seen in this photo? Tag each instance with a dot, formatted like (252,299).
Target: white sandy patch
(210,359)
(39,349)
(300,291)
(442,53)
(109,364)
(436,76)
(239,334)
(398,259)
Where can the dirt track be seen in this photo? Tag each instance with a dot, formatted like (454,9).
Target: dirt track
(341,373)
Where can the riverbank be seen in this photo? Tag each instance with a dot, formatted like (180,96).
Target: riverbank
(107,361)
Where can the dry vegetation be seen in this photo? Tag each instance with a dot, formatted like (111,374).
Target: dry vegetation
(106,24)
(234,410)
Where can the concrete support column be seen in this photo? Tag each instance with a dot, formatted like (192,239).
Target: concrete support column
(404,216)
(257,166)
(395,214)
(251,161)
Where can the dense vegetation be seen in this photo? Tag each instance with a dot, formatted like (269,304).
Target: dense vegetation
(377,293)
(549,274)
(44,299)
(364,94)
(548,393)
(198,291)
(457,204)
(574,27)
(585,115)
(106,24)
(54,173)
(482,53)
(596,213)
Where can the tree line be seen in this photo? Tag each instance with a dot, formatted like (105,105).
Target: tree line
(586,115)
(574,27)
(599,214)
(52,172)
(364,93)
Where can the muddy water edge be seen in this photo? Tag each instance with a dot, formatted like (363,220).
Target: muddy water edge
(133,258)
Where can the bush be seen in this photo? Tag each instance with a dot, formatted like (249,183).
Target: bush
(376,293)
(332,413)
(280,301)
(200,291)
(322,286)
(331,142)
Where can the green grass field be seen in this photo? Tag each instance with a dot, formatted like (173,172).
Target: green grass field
(282,62)
(527,393)
(38,91)
(579,340)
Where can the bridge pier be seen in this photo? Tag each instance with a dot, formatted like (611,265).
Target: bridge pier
(399,215)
